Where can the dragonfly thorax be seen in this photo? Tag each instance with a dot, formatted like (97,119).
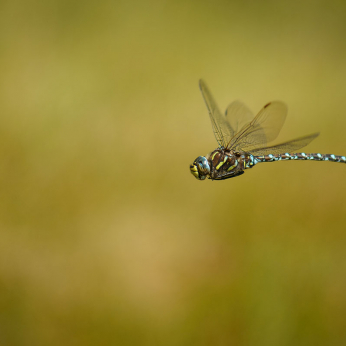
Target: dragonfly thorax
(225,163)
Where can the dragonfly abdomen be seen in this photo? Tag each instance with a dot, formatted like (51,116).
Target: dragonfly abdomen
(301,156)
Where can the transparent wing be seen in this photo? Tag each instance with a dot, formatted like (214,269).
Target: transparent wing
(287,147)
(223,131)
(238,115)
(263,129)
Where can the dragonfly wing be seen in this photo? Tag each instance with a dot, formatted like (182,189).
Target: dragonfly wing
(238,115)
(287,147)
(223,131)
(263,129)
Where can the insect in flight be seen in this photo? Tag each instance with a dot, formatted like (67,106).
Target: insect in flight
(243,139)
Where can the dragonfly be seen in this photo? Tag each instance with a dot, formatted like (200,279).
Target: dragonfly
(243,140)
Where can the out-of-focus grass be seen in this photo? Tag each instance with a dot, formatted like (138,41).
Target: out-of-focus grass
(106,238)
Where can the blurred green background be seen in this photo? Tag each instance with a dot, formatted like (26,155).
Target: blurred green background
(105,236)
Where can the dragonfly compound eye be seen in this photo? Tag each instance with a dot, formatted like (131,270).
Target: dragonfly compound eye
(200,168)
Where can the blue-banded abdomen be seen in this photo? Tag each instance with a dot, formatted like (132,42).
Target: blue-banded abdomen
(301,156)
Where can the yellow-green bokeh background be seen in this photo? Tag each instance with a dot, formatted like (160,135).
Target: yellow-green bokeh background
(105,236)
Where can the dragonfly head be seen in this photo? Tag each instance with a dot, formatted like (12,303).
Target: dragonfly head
(200,168)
